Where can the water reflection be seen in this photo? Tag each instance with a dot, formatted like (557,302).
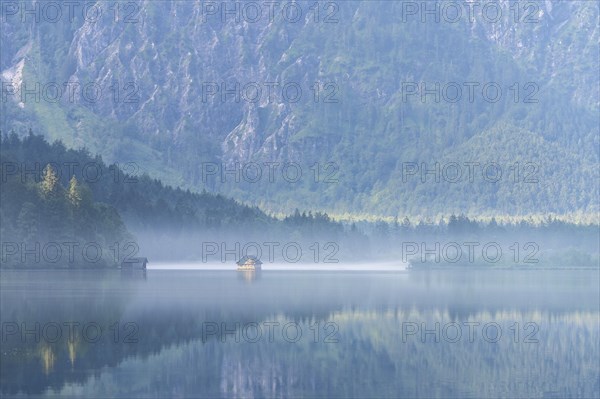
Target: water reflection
(249,275)
(215,334)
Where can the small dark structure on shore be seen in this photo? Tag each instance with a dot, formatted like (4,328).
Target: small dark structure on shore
(248,264)
(134,263)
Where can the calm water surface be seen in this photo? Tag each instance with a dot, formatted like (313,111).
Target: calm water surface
(301,334)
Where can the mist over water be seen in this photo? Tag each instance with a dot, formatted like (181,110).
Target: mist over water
(364,267)
(339,334)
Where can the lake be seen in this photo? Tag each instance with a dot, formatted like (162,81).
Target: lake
(301,333)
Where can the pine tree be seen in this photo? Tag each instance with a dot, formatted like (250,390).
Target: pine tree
(54,205)
(49,182)
(74,194)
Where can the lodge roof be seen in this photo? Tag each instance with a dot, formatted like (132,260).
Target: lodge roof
(251,258)
(136,260)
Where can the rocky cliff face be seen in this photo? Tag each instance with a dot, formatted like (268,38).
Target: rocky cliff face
(193,81)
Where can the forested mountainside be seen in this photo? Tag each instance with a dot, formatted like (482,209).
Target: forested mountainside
(58,204)
(57,197)
(500,101)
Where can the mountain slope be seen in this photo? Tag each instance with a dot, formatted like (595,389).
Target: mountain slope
(367,117)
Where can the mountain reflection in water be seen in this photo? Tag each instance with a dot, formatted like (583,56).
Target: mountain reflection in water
(310,334)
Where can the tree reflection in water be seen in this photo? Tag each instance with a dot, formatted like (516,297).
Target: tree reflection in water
(362,334)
